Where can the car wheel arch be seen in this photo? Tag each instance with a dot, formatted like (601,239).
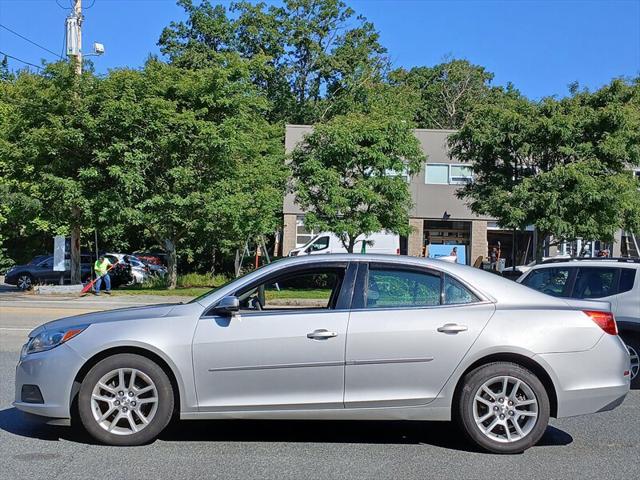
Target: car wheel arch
(527,362)
(176,384)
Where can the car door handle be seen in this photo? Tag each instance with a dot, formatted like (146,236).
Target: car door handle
(452,328)
(321,334)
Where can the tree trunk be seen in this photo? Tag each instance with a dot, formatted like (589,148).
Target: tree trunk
(236,263)
(213,261)
(172,267)
(76,276)
(350,245)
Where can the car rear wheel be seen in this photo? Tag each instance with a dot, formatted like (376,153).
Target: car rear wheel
(503,407)
(25,281)
(633,345)
(125,399)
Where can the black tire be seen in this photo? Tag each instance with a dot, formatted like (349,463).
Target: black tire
(162,414)
(25,281)
(633,345)
(474,380)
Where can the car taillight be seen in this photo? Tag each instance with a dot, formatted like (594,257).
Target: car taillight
(605,320)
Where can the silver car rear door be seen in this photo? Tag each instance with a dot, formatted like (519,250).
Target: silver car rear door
(403,345)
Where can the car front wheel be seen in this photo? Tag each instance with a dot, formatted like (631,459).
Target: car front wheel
(503,407)
(125,399)
(25,281)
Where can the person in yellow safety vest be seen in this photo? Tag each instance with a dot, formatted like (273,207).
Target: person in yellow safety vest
(101,267)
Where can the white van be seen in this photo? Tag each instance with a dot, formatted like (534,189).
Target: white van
(326,242)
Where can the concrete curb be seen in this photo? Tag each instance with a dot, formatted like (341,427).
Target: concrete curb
(57,289)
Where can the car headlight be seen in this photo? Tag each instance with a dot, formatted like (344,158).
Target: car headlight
(51,338)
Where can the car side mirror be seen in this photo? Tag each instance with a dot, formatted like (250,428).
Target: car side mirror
(227,306)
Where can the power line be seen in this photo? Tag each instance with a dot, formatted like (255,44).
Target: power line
(20,60)
(31,41)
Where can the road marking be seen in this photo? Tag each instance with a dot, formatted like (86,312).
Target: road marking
(17,329)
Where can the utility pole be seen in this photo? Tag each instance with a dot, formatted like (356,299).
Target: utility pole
(74,51)
(77,12)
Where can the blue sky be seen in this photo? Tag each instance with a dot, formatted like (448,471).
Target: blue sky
(541,46)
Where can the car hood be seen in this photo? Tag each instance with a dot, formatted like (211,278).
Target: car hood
(117,315)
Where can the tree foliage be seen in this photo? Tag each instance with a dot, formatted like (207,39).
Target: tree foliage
(350,174)
(449,91)
(560,165)
(300,52)
(185,157)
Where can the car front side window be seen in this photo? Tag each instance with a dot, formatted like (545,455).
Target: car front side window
(320,244)
(552,281)
(316,289)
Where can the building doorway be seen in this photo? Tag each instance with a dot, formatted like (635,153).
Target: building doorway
(439,235)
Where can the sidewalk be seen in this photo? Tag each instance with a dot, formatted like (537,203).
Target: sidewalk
(16,298)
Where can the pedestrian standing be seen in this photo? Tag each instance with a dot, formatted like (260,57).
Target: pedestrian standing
(101,267)
(493,259)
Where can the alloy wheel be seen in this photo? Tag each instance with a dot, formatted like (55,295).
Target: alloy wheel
(124,401)
(505,409)
(635,361)
(24,282)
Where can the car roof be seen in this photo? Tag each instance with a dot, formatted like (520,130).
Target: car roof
(489,285)
(603,263)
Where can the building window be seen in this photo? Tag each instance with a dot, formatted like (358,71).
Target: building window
(437,174)
(448,174)
(303,236)
(460,174)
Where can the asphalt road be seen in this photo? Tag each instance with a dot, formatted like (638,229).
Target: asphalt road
(600,446)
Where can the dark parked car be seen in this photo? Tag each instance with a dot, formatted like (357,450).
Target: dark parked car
(40,271)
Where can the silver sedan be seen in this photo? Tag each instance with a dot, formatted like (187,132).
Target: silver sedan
(334,337)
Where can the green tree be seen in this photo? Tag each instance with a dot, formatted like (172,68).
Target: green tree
(449,91)
(560,165)
(46,147)
(349,175)
(188,155)
(299,52)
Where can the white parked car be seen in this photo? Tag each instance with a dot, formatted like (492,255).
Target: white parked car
(326,242)
(616,281)
(139,271)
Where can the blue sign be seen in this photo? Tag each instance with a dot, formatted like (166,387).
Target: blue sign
(438,251)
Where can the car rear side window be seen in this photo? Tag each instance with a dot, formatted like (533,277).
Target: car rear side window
(595,282)
(552,281)
(627,279)
(402,288)
(454,293)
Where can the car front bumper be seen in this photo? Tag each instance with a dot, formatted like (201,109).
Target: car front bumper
(53,372)
(593,380)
